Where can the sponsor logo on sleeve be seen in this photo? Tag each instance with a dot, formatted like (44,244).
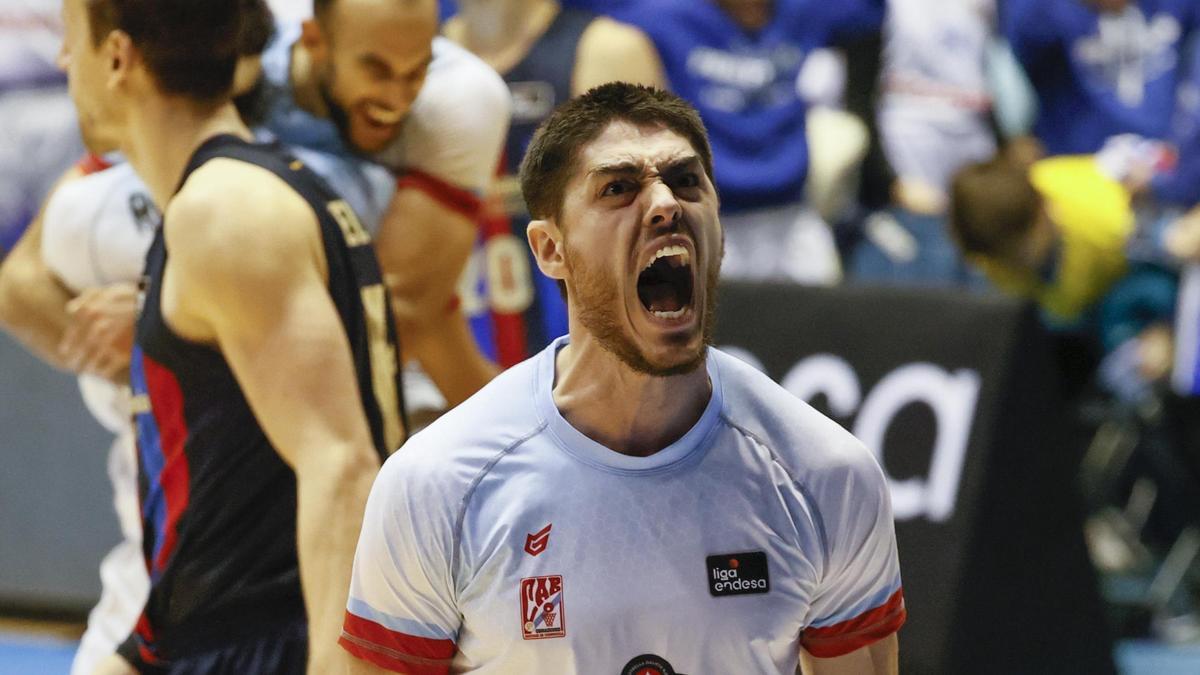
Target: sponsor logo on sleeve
(542,608)
(738,573)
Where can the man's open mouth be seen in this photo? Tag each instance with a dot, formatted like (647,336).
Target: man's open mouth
(665,285)
(381,116)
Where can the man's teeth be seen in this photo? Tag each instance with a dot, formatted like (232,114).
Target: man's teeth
(380,115)
(669,251)
(670,315)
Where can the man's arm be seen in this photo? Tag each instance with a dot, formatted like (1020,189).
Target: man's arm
(33,301)
(878,658)
(248,274)
(423,245)
(611,51)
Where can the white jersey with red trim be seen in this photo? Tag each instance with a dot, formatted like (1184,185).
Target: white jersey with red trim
(95,231)
(503,540)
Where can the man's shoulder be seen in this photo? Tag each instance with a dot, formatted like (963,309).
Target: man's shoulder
(239,205)
(455,448)
(799,437)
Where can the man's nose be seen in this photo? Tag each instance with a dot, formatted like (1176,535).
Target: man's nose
(664,209)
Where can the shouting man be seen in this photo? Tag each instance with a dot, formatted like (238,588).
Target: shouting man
(629,500)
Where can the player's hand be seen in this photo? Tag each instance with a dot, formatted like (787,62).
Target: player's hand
(114,665)
(99,334)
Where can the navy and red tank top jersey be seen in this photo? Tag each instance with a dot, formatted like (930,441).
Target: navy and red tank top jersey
(521,310)
(218,503)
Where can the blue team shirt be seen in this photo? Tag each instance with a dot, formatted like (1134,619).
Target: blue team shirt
(744,84)
(1097,75)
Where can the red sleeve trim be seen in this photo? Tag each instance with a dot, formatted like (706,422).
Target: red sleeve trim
(395,651)
(92,163)
(870,626)
(450,196)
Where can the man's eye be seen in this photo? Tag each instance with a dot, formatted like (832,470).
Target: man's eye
(687,180)
(617,188)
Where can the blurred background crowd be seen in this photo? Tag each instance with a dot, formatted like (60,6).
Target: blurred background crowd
(1042,149)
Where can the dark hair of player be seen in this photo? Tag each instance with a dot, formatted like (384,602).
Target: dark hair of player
(189,46)
(550,160)
(258,26)
(992,206)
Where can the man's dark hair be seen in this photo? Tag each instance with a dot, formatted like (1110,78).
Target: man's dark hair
(993,205)
(258,27)
(190,46)
(550,160)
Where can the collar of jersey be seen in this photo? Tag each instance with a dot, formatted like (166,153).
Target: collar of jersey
(575,443)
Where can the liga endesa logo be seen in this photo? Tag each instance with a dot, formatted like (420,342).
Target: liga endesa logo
(738,573)
(542,608)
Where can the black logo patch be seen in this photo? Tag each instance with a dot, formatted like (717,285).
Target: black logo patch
(738,573)
(648,664)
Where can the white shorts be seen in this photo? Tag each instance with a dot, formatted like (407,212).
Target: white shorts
(124,583)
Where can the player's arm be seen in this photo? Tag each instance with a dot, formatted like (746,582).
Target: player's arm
(247,273)
(452,142)
(858,605)
(423,245)
(878,658)
(611,51)
(33,301)
(402,614)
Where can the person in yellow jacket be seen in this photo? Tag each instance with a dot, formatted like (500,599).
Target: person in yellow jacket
(1055,231)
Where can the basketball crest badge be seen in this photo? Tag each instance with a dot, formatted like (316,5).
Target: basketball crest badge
(542,613)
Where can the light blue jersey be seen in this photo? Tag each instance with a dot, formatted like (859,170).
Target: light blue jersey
(503,540)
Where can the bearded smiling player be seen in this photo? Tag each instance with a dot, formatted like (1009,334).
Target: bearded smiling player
(629,500)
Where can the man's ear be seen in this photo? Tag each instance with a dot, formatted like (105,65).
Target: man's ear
(119,50)
(546,241)
(313,38)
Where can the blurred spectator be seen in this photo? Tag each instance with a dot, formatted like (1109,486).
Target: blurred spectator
(934,117)
(546,54)
(738,62)
(1100,67)
(39,137)
(1058,233)
(1055,233)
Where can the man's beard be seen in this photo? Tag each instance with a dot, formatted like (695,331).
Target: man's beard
(594,294)
(337,114)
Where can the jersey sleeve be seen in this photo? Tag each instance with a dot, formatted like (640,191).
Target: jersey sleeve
(402,614)
(859,599)
(457,126)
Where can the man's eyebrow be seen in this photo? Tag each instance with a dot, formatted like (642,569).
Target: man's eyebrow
(681,164)
(630,167)
(374,61)
(625,167)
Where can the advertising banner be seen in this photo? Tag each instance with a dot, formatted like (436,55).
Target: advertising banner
(956,396)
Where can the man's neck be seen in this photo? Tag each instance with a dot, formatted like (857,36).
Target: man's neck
(626,411)
(501,32)
(168,133)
